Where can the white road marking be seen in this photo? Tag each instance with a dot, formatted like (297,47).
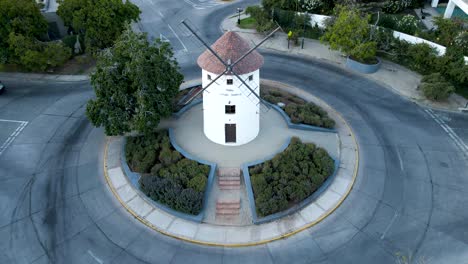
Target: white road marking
(389,225)
(13,135)
(161,14)
(400,160)
(458,141)
(177,36)
(98,260)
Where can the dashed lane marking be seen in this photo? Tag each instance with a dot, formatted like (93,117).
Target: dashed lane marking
(177,36)
(458,141)
(11,138)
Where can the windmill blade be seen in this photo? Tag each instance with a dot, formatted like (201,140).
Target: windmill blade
(252,91)
(256,46)
(206,87)
(205,44)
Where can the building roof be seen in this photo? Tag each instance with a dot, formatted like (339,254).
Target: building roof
(230,47)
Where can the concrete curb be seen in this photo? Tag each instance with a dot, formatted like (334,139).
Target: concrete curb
(45,77)
(223,236)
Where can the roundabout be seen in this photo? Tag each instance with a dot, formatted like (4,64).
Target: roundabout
(236,231)
(409,198)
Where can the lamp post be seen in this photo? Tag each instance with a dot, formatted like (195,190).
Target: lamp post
(239,11)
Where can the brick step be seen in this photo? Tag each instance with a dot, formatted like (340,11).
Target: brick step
(228,201)
(228,178)
(227,212)
(229,187)
(227,206)
(222,172)
(232,183)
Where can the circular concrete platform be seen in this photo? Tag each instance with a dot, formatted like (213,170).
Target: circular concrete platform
(207,232)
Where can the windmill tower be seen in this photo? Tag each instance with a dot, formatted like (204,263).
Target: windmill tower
(231,89)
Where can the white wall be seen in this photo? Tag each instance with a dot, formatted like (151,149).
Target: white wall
(218,95)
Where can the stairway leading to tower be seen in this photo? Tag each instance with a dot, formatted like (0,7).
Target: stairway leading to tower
(228,203)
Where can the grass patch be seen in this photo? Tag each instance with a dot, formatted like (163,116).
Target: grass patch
(248,23)
(166,176)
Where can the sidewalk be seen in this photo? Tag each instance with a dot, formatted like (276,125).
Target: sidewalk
(391,75)
(139,206)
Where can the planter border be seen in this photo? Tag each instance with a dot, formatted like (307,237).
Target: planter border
(362,67)
(316,194)
(134,178)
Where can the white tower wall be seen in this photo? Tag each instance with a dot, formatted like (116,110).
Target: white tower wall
(247,110)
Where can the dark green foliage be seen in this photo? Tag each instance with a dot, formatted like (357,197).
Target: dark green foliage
(262,18)
(167,177)
(135,84)
(435,87)
(101,21)
(167,192)
(289,177)
(300,111)
(22,28)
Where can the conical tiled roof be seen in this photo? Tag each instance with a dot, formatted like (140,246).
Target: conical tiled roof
(230,47)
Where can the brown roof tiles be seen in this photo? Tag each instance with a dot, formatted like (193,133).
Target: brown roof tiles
(231,47)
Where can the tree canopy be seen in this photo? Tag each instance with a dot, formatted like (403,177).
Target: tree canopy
(20,17)
(350,33)
(101,21)
(135,83)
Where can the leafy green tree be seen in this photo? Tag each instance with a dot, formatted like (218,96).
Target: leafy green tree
(20,17)
(350,33)
(35,55)
(101,21)
(135,83)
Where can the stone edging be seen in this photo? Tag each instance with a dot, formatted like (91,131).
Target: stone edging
(233,236)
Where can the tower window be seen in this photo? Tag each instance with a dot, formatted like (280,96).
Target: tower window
(209,77)
(251,78)
(230,109)
(229,81)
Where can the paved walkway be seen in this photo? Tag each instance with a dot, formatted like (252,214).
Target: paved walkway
(391,75)
(209,234)
(274,133)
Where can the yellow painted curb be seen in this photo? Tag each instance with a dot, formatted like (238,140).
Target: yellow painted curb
(283,236)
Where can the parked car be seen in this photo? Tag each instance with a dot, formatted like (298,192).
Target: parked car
(2,87)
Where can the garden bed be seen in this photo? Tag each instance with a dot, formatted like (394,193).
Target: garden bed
(290,177)
(299,110)
(166,176)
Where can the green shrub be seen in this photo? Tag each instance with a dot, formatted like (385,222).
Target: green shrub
(167,177)
(300,111)
(289,177)
(263,21)
(421,57)
(435,87)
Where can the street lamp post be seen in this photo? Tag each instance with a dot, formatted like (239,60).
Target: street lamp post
(239,11)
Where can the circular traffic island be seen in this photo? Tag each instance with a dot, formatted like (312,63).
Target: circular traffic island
(297,171)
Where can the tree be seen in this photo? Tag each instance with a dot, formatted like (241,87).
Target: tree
(350,33)
(35,55)
(135,83)
(101,21)
(20,17)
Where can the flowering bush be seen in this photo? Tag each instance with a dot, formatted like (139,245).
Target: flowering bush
(395,6)
(462,42)
(311,5)
(407,24)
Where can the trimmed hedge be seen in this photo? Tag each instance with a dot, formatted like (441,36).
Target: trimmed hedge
(300,111)
(290,177)
(166,176)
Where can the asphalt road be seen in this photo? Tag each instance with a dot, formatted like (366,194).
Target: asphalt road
(410,198)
